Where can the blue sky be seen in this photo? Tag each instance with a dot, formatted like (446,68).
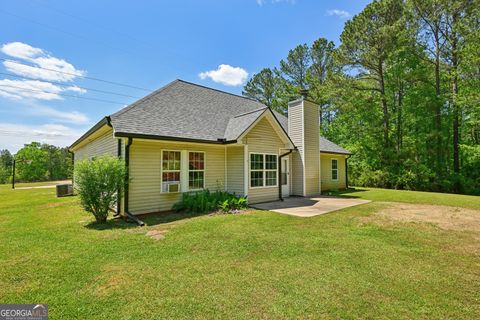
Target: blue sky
(145,44)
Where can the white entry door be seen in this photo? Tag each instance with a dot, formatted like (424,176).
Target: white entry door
(285,177)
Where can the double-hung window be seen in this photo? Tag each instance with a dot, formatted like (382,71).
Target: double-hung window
(263,170)
(171,171)
(334,169)
(196,170)
(182,170)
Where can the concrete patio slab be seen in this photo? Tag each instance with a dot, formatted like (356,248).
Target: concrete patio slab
(309,206)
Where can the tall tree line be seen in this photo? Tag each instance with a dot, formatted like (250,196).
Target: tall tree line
(36,162)
(401,91)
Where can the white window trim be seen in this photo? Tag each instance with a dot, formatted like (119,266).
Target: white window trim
(263,170)
(204,170)
(184,170)
(161,170)
(331,169)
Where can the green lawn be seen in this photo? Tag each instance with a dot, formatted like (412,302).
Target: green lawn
(254,265)
(444,199)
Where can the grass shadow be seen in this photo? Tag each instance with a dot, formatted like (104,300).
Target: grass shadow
(348,193)
(150,219)
(111,224)
(291,202)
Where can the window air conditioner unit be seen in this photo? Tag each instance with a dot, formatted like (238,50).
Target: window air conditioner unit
(174,187)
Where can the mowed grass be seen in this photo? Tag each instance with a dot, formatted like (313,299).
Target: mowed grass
(254,265)
(443,199)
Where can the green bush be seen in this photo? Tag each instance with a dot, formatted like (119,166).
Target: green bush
(332,192)
(377,178)
(97,183)
(205,201)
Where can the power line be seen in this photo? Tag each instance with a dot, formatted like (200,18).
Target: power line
(43,25)
(77,75)
(64,95)
(20,132)
(92,23)
(121,34)
(66,86)
(68,33)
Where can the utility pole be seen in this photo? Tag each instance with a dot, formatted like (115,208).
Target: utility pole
(13,174)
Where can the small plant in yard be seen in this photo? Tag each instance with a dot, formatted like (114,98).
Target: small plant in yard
(98,182)
(333,192)
(205,201)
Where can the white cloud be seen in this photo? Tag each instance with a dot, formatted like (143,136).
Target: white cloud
(21,50)
(76,89)
(262,2)
(18,89)
(14,136)
(227,75)
(32,108)
(36,89)
(339,13)
(39,58)
(74,117)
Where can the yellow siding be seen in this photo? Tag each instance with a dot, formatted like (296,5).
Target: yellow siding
(145,194)
(326,164)
(235,169)
(104,144)
(263,139)
(311,148)
(295,131)
(304,127)
(296,174)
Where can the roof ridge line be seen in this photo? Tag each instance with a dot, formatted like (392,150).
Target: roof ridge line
(249,112)
(218,90)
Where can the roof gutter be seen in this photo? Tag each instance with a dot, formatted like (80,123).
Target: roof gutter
(169,138)
(332,152)
(104,121)
(127,163)
(279,166)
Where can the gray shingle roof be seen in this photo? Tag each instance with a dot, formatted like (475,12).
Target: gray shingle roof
(238,124)
(328,146)
(281,119)
(188,111)
(184,110)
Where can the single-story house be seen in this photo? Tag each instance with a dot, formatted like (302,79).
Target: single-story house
(186,137)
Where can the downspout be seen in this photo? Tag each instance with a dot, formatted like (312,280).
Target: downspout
(346,170)
(127,162)
(119,193)
(73,167)
(280,173)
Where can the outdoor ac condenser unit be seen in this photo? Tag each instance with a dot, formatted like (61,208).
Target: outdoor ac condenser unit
(64,190)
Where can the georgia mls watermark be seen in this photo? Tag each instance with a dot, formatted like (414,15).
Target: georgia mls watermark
(23,311)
